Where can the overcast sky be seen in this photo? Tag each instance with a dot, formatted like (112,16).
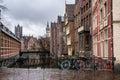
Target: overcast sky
(32,14)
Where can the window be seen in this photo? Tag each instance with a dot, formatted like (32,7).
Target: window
(82,22)
(87,6)
(101,14)
(81,10)
(64,29)
(89,3)
(95,45)
(87,21)
(90,20)
(87,41)
(81,42)
(105,6)
(104,43)
(84,8)
(100,1)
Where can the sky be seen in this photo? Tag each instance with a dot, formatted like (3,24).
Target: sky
(32,14)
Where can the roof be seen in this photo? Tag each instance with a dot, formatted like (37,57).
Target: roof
(70,11)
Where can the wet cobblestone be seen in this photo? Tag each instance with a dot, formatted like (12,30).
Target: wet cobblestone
(53,74)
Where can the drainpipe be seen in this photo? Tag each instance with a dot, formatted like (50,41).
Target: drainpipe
(0,42)
(112,47)
(0,35)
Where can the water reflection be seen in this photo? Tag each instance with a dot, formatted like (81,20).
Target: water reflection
(54,74)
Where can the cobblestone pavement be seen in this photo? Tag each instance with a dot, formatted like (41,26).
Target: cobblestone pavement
(52,74)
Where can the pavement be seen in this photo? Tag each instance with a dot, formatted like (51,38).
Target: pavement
(52,74)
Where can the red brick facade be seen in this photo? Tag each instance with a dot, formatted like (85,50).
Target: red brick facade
(10,45)
(84,29)
(101,30)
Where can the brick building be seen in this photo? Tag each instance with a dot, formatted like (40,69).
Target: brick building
(84,28)
(53,39)
(58,38)
(62,48)
(30,43)
(9,43)
(106,31)
(102,32)
(69,25)
(77,19)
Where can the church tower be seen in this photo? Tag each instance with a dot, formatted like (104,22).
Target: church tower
(47,30)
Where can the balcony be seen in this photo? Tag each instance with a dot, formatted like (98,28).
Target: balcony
(80,29)
(67,30)
(68,40)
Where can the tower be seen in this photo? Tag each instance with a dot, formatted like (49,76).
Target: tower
(47,30)
(18,31)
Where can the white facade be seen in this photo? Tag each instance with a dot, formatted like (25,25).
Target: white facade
(116,30)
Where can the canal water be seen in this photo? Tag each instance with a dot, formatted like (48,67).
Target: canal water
(40,67)
(54,74)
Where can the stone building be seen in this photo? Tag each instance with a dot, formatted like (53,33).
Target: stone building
(18,31)
(84,28)
(69,25)
(116,31)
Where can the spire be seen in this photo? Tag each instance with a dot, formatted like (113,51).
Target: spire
(47,24)
(0,14)
(65,3)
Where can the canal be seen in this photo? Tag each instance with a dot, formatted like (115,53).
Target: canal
(37,66)
(54,74)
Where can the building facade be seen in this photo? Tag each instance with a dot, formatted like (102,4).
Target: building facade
(69,25)
(62,48)
(30,43)
(102,32)
(116,32)
(77,19)
(53,39)
(18,31)
(84,29)
(10,45)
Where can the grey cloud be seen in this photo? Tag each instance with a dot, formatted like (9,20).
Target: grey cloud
(36,12)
